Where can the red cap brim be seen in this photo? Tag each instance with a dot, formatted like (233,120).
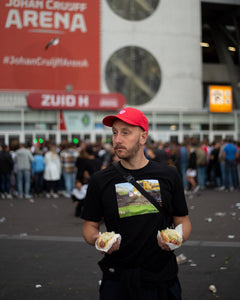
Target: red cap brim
(109,120)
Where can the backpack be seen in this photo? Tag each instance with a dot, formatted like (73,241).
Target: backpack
(201,157)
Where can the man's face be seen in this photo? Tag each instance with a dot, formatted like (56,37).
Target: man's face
(127,140)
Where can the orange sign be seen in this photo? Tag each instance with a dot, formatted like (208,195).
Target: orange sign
(50,45)
(220,98)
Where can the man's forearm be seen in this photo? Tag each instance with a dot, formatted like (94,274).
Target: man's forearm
(90,232)
(186,226)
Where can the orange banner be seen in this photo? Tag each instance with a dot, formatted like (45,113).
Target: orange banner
(50,45)
(220,98)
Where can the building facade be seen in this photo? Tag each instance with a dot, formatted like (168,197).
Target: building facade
(156,53)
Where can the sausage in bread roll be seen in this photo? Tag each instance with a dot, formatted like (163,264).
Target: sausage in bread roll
(104,239)
(171,236)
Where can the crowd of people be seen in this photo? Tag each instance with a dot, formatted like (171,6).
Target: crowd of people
(51,170)
(58,170)
(202,164)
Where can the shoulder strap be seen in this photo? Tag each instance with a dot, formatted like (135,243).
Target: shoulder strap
(128,177)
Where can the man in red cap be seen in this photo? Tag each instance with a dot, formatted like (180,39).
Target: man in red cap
(140,265)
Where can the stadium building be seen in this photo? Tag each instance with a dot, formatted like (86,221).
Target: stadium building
(66,64)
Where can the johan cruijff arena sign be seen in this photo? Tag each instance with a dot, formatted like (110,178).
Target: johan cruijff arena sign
(49,45)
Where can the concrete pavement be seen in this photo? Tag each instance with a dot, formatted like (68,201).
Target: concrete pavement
(43,254)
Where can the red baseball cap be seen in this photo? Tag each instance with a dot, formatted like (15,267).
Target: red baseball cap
(129,115)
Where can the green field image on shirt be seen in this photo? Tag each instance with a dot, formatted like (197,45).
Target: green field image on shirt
(132,203)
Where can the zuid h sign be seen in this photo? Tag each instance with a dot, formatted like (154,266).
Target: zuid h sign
(76,101)
(48,45)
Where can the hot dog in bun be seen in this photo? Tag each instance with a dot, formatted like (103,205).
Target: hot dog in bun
(105,240)
(171,236)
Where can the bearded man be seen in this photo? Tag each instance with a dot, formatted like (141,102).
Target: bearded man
(140,266)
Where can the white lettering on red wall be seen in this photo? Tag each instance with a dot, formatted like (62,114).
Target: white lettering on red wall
(44,19)
(49,45)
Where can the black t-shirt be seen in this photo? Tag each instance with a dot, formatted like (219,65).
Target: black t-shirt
(127,212)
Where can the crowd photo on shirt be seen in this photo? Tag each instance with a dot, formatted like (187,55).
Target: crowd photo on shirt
(52,171)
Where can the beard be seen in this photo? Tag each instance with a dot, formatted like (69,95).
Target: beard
(125,153)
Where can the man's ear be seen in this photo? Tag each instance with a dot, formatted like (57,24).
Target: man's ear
(144,136)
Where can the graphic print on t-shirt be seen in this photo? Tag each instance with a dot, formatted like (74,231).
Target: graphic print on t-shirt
(132,203)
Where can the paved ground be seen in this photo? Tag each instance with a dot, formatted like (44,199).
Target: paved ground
(43,255)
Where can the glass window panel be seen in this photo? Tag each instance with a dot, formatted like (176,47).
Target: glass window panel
(52,138)
(86,137)
(195,118)
(217,138)
(238,121)
(2,139)
(10,116)
(205,126)
(40,116)
(64,138)
(29,126)
(167,127)
(223,127)
(40,120)
(192,126)
(28,138)
(39,127)
(195,126)
(186,126)
(13,141)
(223,118)
(133,9)
(186,136)
(10,126)
(135,73)
(167,118)
(174,138)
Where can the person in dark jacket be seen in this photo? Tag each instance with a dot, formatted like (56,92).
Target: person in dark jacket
(161,154)
(191,174)
(6,168)
(214,160)
(38,166)
(87,164)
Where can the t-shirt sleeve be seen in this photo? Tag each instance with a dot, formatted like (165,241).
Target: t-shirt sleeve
(92,205)
(179,201)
